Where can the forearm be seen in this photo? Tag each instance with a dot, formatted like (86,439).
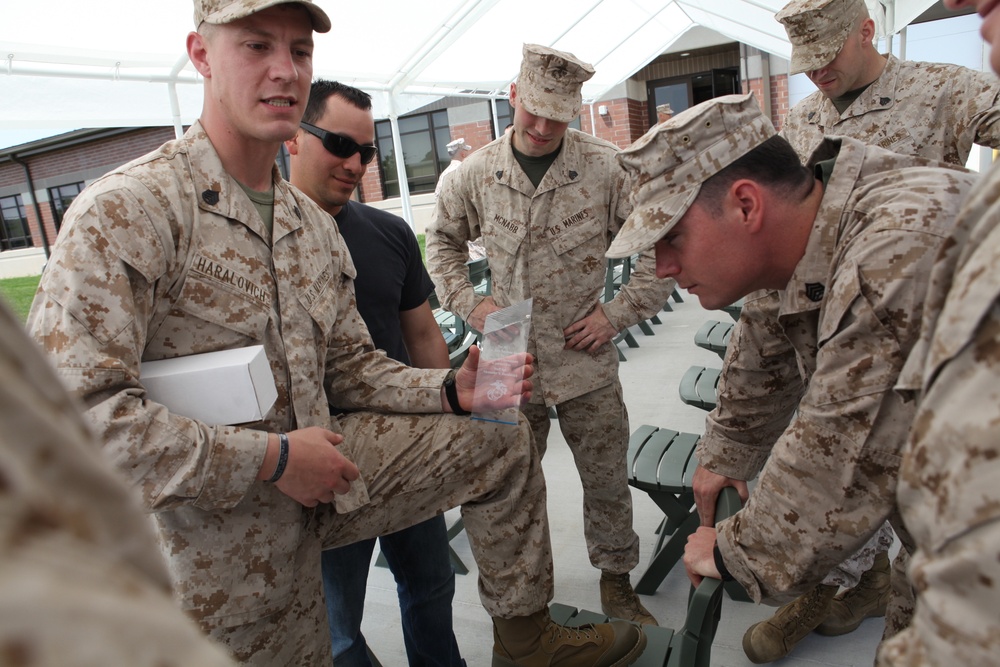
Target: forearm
(642,297)
(371,381)
(823,492)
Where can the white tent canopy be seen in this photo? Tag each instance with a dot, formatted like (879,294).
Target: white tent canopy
(120,63)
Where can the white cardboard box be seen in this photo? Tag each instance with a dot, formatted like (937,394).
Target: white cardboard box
(224,387)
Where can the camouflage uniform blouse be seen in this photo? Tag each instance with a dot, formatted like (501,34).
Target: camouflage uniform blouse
(547,243)
(81,578)
(948,483)
(932,110)
(166,257)
(851,313)
(927,110)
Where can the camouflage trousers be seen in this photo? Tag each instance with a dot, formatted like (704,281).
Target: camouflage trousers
(415,467)
(596,429)
(901,595)
(848,573)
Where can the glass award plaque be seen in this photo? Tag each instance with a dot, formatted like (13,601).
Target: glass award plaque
(501,363)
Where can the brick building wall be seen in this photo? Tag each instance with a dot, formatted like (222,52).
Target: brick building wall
(83,162)
(371,184)
(779,99)
(476,134)
(778,96)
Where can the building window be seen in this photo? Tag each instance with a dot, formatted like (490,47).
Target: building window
(505,116)
(60,198)
(425,139)
(683,92)
(14,231)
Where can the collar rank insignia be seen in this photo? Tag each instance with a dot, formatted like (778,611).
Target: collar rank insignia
(815,291)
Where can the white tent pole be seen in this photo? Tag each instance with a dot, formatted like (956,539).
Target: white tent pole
(496,117)
(397,149)
(175,104)
(175,110)
(15,70)
(593,120)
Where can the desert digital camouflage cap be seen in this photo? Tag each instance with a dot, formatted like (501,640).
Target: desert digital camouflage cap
(550,81)
(225,11)
(818,29)
(668,164)
(664,108)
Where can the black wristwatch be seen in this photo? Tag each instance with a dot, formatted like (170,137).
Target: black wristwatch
(451,393)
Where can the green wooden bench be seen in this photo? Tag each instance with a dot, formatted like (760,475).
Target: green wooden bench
(613,280)
(714,336)
(699,387)
(734,309)
(689,646)
(661,462)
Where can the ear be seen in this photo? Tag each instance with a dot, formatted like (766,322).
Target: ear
(512,97)
(747,197)
(197,51)
(868,30)
(292,145)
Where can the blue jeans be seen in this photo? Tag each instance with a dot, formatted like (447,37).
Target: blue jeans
(425,581)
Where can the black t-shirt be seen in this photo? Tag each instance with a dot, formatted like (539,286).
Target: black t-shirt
(391,275)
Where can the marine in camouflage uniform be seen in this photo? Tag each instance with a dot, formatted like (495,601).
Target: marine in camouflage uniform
(185,268)
(850,317)
(932,110)
(81,579)
(168,256)
(947,489)
(948,492)
(929,110)
(851,313)
(547,241)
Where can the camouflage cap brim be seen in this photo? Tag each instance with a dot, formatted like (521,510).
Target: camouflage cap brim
(648,224)
(813,57)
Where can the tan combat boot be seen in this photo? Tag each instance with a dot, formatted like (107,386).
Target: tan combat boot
(618,600)
(866,600)
(777,636)
(536,641)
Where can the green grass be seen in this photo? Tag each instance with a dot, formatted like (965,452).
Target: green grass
(422,241)
(18,293)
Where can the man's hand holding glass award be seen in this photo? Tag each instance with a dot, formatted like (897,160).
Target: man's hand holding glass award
(497,375)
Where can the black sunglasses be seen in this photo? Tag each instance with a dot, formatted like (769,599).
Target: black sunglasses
(341,146)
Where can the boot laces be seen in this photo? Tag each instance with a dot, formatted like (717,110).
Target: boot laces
(804,605)
(581,633)
(624,596)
